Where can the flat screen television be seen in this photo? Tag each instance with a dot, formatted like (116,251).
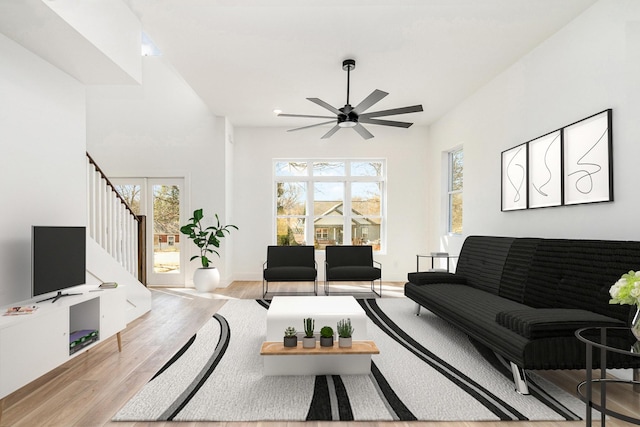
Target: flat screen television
(58,260)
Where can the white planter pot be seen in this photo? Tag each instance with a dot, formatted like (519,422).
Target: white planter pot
(345,342)
(206,279)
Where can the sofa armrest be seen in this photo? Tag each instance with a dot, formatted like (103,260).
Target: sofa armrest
(430,277)
(534,323)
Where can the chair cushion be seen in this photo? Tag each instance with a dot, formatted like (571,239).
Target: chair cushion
(289,274)
(354,272)
(534,323)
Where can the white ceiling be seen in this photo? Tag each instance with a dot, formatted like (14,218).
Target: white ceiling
(246,58)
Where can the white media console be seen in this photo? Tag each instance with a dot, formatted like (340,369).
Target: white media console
(33,344)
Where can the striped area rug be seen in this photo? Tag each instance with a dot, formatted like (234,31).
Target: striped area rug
(426,370)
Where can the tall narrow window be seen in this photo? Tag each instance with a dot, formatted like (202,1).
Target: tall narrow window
(456,163)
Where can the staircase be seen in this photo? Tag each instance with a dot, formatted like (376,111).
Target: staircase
(115,242)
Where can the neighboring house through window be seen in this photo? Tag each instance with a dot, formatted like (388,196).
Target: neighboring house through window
(329,202)
(454,190)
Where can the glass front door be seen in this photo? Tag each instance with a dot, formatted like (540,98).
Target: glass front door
(161,200)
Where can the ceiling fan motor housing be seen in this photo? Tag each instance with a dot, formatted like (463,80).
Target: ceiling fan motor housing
(348,118)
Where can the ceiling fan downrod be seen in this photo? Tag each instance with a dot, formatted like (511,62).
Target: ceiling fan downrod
(348,65)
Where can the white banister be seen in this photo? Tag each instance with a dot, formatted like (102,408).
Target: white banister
(110,221)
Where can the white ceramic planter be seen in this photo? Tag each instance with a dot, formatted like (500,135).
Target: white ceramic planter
(345,342)
(206,279)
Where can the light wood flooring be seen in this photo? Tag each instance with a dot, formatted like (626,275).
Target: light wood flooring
(91,388)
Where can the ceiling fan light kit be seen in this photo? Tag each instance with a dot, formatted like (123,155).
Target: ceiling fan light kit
(353,117)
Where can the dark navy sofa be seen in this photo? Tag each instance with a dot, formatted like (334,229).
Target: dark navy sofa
(524,298)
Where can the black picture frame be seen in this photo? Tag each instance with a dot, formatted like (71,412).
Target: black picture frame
(545,170)
(514,178)
(587,160)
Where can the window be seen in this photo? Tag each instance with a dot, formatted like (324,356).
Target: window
(329,202)
(454,190)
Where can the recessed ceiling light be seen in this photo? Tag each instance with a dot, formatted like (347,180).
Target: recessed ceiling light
(276,112)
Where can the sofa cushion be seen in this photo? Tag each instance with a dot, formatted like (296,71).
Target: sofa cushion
(481,261)
(535,323)
(516,268)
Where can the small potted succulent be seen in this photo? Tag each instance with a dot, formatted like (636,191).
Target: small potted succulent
(290,337)
(345,331)
(309,340)
(326,336)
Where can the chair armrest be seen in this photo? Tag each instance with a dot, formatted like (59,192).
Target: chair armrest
(379,264)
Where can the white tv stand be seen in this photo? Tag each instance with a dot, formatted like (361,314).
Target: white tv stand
(33,344)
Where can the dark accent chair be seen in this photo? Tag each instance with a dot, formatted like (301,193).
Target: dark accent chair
(290,264)
(351,264)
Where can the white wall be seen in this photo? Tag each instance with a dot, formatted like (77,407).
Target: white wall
(42,147)
(590,65)
(405,151)
(162,129)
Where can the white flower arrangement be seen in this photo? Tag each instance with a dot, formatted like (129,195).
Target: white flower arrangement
(626,290)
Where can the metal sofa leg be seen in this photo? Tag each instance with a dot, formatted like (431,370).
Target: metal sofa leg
(417,310)
(519,378)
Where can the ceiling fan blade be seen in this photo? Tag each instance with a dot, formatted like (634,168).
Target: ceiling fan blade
(368,102)
(323,104)
(394,111)
(333,130)
(312,126)
(384,122)
(362,131)
(305,115)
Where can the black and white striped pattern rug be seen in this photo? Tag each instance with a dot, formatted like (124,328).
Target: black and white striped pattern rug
(426,370)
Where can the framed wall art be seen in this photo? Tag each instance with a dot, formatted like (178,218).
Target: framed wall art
(545,170)
(514,178)
(587,160)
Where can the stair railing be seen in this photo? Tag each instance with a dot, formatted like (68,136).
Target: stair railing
(112,223)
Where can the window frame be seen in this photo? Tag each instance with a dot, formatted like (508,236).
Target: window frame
(310,179)
(451,193)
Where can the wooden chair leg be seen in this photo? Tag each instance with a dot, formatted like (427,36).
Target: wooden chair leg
(119,338)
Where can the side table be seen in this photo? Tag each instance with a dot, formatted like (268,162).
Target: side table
(601,338)
(434,256)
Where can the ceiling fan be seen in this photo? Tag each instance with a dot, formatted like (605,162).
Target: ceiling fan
(353,117)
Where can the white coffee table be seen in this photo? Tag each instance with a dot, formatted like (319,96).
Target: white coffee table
(286,311)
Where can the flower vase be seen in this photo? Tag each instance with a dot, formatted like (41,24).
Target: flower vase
(635,324)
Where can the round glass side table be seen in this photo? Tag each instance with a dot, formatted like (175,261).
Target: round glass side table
(607,340)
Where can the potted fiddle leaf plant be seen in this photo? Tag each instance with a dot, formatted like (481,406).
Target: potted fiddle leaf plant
(309,339)
(206,239)
(345,331)
(290,337)
(326,336)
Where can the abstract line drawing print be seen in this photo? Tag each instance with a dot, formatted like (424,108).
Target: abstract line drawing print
(514,178)
(587,160)
(584,184)
(515,175)
(545,171)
